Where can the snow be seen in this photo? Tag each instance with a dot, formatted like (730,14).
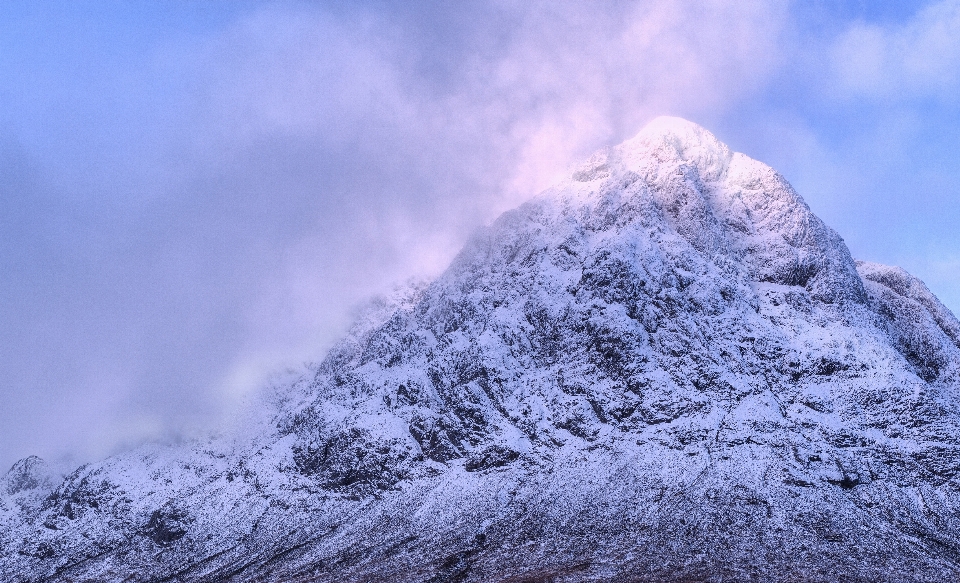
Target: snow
(667,342)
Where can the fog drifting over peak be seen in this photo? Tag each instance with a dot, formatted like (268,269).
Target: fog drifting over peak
(194,197)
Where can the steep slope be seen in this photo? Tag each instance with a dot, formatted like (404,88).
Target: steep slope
(663,369)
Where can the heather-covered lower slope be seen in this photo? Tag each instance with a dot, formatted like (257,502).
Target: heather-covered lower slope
(663,369)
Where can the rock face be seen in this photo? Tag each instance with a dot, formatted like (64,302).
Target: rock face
(663,369)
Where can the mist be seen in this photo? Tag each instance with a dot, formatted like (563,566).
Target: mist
(194,196)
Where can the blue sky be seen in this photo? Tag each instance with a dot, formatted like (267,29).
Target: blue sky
(194,194)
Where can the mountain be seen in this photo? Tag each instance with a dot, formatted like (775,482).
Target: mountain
(665,368)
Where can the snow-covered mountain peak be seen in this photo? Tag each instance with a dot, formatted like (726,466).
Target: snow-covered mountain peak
(673,139)
(665,368)
(722,203)
(665,141)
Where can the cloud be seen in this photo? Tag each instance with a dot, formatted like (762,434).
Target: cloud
(215,205)
(915,59)
(573,77)
(409,157)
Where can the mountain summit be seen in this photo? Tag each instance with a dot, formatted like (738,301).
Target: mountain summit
(664,368)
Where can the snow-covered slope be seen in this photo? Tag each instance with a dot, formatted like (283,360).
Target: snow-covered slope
(665,368)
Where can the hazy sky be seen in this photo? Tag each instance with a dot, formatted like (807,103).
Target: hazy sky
(193,194)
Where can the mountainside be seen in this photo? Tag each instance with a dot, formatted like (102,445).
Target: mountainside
(665,368)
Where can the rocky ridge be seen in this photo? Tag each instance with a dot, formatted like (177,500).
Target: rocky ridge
(665,368)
